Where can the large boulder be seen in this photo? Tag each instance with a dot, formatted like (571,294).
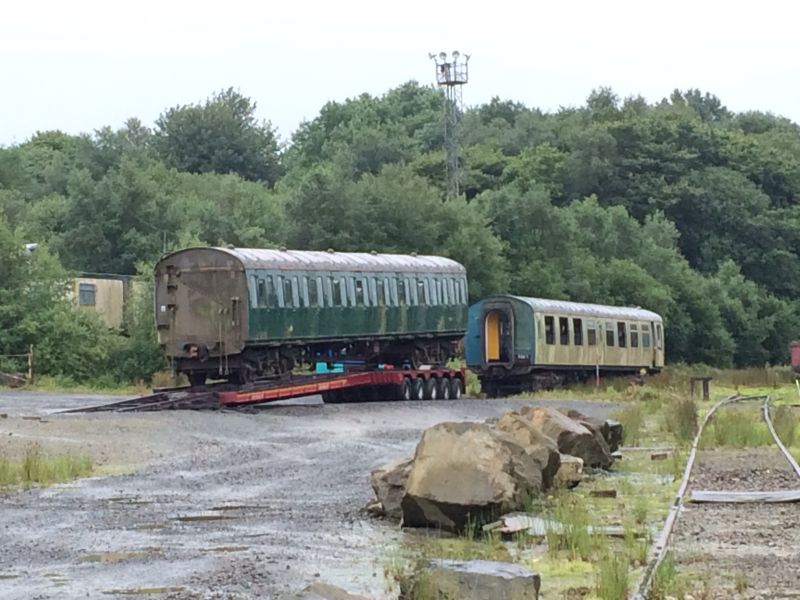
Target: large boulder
(570,471)
(542,448)
(572,437)
(477,579)
(324,591)
(389,484)
(610,430)
(466,472)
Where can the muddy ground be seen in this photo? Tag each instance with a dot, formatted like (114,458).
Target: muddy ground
(210,504)
(741,550)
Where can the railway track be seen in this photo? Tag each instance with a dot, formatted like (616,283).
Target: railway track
(735,520)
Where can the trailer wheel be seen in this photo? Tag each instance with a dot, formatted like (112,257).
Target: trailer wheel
(417,389)
(404,391)
(430,389)
(443,389)
(456,388)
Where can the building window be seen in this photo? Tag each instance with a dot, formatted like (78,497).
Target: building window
(591,333)
(87,294)
(549,330)
(634,335)
(610,334)
(563,330)
(577,331)
(621,335)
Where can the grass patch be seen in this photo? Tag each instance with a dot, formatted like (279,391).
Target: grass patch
(36,468)
(612,577)
(632,419)
(785,420)
(680,419)
(573,534)
(736,427)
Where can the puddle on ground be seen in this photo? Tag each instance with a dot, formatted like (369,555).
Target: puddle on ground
(144,591)
(191,518)
(115,557)
(227,549)
(132,500)
(152,526)
(8,576)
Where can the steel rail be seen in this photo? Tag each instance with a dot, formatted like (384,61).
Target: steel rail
(778,441)
(659,550)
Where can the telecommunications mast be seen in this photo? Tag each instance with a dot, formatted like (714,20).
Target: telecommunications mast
(451,74)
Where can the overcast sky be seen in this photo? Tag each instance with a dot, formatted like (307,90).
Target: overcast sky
(81,64)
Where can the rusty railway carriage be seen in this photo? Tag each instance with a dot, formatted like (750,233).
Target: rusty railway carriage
(241,314)
(516,344)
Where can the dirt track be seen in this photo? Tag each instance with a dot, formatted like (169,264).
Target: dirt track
(214,505)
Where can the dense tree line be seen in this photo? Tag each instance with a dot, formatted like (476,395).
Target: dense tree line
(681,206)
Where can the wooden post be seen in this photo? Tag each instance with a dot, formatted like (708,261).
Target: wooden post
(30,365)
(597,375)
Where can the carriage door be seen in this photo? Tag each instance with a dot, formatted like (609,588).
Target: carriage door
(497,337)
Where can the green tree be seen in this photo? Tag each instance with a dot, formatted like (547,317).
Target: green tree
(221,136)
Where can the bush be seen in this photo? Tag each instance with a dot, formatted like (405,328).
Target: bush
(737,428)
(612,577)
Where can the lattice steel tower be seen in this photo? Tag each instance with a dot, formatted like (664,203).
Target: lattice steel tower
(452,74)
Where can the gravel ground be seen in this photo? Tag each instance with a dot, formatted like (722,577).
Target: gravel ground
(754,545)
(211,504)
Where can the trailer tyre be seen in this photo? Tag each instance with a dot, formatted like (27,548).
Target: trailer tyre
(430,389)
(404,390)
(417,389)
(443,390)
(456,388)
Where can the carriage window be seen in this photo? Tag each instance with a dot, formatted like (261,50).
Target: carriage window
(445,292)
(645,336)
(438,299)
(261,293)
(591,333)
(361,293)
(411,287)
(372,291)
(463,285)
(391,299)
(313,291)
(610,335)
(401,291)
(380,289)
(451,293)
(563,330)
(621,334)
(422,291)
(549,330)
(337,290)
(289,295)
(634,335)
(577,331)
(658,336)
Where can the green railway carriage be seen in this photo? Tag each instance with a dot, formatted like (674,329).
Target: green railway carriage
(242,313)
(515,343)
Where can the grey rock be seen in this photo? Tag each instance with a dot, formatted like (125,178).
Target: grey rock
(479,579)
(571,436)
(324,591)
(542,448)
(389,484)
(467,472)
(609,430)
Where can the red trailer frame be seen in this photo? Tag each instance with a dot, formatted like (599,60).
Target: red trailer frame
(385,384)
